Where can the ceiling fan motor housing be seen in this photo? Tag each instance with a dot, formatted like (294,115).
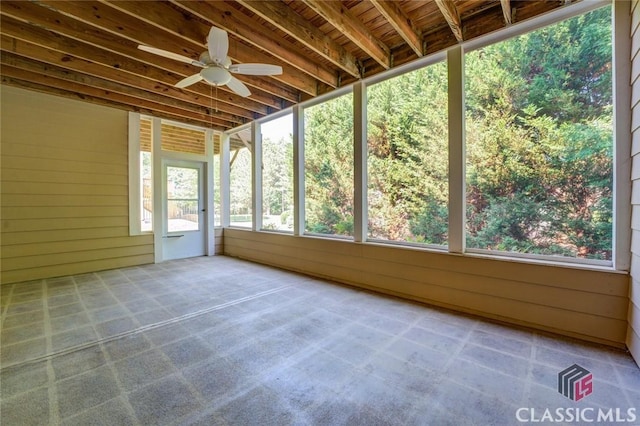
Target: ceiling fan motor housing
(216,75)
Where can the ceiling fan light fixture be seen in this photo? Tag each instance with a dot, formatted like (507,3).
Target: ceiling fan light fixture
(217,76)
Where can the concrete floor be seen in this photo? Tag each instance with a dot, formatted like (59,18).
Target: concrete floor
(222,341)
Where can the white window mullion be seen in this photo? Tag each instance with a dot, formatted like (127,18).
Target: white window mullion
(360,162)
(256,171)
(298,170)
(209,209)
(457,201)
(621,43)
(225,187)
(135,182)
(158,196)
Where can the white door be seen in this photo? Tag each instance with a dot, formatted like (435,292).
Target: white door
(184,219)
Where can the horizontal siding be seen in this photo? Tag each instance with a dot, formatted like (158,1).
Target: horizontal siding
(582,303)
(75,268)
(26,225)
(50,236)
(634,292)
(64,188)
(634,315)
(635,217)
(42,188)
(635,242)
(18,213)
(62,247)
(48,176)
(633,342)
(25,163)
(219,241)
(24,200)
(80,255)
(36,150)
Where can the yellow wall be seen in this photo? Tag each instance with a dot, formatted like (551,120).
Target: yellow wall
(64,193)
(633,337)
(587,304)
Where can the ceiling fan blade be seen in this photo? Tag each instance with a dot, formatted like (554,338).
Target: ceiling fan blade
(238,87)
(169,55)
(256,69)
(218,44)
(192,79)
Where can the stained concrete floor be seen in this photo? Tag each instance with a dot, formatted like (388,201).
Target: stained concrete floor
(220,341)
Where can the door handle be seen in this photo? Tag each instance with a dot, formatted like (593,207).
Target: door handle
(173,236)
(203,210)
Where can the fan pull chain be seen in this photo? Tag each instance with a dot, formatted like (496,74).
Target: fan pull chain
(211,104)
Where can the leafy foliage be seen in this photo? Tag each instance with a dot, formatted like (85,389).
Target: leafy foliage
(539,146)
(539,141)
(329,167)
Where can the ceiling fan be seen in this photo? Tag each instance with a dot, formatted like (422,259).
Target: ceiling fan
(216,65)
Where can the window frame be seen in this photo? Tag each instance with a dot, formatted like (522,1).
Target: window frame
(621,214)
(439,57)
(260,123)
(455,58)
(298,125)
(225,178)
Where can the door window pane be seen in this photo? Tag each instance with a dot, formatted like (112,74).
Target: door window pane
(182,199)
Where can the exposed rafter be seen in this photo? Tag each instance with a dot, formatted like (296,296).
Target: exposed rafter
(22,68)
(401,23)
(89,49)
(225,16)
(342,19)
(304,32)
(451,15)
(85,41)
(167,18)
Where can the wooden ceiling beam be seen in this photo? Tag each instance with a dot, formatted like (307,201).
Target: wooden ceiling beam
(117,63)
(49,56)
(23,84)
(16,62)
(506,11)
(451,15)
(401,23)
(285,19)
(166,18)
(98,93)
(84,22)
(340,17)
(225,16)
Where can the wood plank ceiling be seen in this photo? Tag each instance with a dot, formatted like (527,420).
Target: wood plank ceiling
(88,49)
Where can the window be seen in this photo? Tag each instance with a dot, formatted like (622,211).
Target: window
(408,157)
(277,174)
(539,141)
(146,176)
(217,213)
(538,158)
(240,179)
(328,164)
